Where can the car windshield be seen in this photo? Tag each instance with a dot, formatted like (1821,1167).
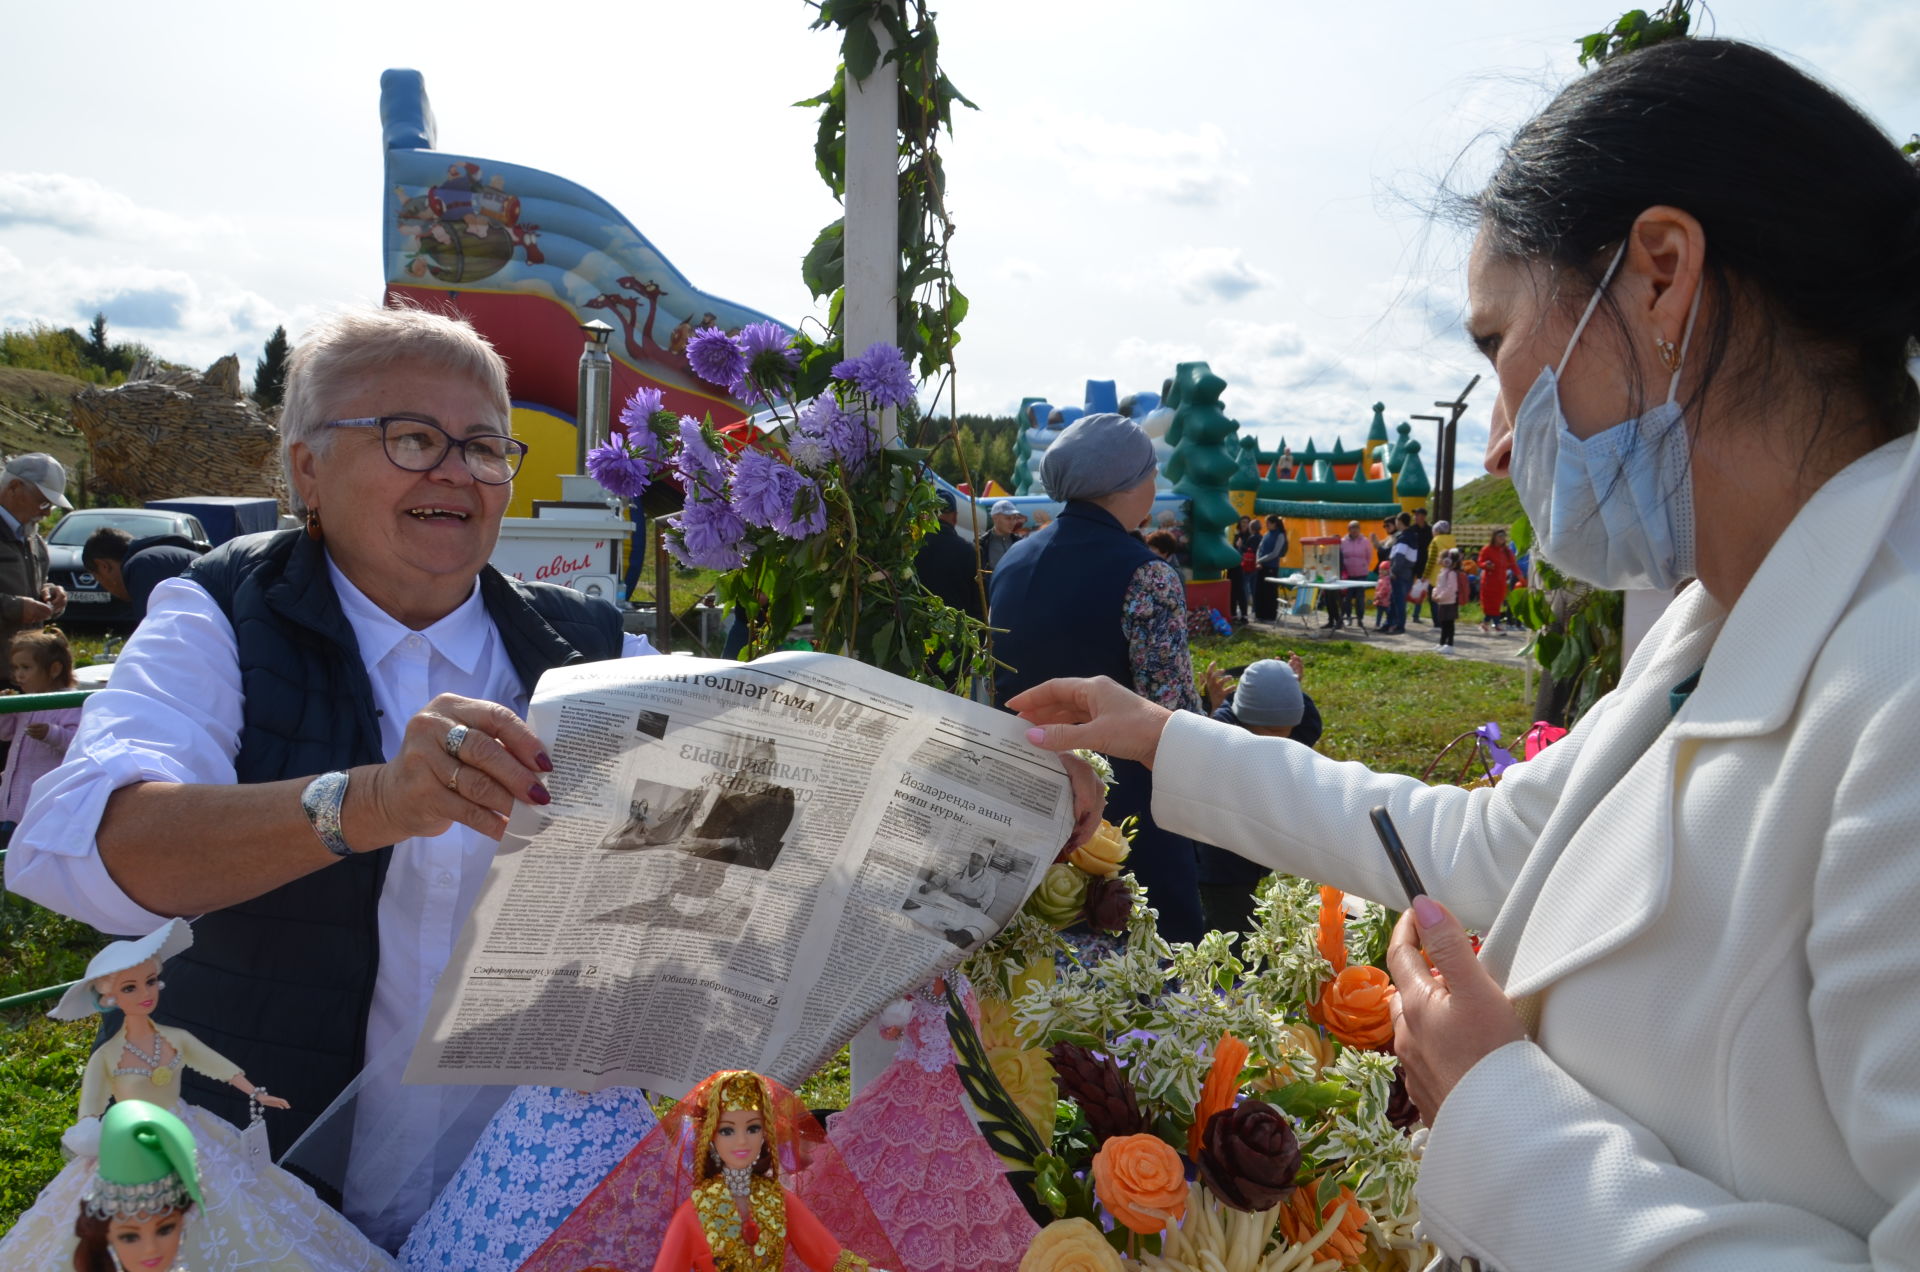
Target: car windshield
(76,526)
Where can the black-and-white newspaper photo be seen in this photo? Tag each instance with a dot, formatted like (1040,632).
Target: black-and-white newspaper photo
(742,864)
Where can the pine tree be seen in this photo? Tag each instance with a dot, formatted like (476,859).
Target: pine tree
(270,372)
(98,352)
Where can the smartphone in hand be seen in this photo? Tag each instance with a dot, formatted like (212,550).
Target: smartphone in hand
(1396,853)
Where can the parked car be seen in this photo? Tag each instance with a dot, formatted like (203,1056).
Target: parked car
(87,601)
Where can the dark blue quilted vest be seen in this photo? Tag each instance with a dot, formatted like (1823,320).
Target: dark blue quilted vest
(1058,592)
(1059,595)
(281,985)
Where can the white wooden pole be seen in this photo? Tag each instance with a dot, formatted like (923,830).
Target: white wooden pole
(870,313)
(872,248)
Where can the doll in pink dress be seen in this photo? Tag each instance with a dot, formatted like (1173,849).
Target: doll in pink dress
(933,1182)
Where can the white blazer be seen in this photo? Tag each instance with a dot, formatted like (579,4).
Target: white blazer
(1710,921)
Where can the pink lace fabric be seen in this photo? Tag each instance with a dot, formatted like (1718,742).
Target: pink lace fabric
(926,1171)
(622,1223)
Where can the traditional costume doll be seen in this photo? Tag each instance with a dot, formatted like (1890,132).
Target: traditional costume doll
(544,1150)
(737,1178)
(144,1185)
(252,1214)
(929,1175)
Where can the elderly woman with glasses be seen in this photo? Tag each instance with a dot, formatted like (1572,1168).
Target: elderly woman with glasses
(316,737)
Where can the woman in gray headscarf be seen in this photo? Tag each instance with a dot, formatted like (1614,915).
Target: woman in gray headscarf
(1085,597)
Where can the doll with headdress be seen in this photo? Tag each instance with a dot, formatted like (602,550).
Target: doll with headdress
(145,1182)
(738,1177)
(251,1214)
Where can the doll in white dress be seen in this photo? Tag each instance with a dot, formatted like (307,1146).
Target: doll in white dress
(251,1214)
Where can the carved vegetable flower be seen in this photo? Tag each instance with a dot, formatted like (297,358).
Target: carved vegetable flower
(1109,905)
(1028,1078)
(1354,1007)
(1300,1220)
(1249,1156)
(1222,1085)
(1302,1037)
(1070,1245)
(1105,1094)
(1103,854)
(1141,1182)
(1062,892)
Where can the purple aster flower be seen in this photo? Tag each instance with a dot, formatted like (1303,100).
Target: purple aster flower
(707,534)
(809,450)
(624,466)
(770,362)
(760,487)
(881,373)
(716,357)
(806,512)
(701,468)
(636,417)
(848,436)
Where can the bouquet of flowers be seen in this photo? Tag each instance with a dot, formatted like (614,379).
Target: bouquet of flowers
(1229,1106)
(811,514)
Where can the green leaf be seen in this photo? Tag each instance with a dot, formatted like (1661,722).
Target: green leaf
(1304,1101)
(824,267)
(861,49)
(1521,532)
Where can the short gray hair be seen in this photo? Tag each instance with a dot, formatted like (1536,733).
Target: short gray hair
(331,358)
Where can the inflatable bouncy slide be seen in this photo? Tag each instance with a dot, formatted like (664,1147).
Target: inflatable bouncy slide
(528,257)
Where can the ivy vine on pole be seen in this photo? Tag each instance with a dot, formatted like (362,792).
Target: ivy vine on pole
(930,306)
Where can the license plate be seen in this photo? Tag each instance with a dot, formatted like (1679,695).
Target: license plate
(88,598)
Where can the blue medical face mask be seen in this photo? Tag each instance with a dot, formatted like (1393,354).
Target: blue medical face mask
(1615,509)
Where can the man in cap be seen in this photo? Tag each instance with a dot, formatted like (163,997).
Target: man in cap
(1007,520)
(1085,598)
(31,486)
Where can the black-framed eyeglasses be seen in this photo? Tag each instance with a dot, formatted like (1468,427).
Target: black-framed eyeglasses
(419,445)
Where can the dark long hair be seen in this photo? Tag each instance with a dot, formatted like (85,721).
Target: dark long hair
(1811,214)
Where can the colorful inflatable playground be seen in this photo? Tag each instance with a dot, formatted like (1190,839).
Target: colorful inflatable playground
(530,258)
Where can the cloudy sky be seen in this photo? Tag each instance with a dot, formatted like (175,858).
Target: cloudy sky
(1244,181)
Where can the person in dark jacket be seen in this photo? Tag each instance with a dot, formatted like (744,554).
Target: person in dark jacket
(1085,598)
(129,568)
(1269,702)
(317,737)
(947,565)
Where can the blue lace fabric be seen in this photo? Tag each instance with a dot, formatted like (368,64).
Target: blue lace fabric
(543,1151)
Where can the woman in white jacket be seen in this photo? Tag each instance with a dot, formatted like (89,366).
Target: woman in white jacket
(1692,1039)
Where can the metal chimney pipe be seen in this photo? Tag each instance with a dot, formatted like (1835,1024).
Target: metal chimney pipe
(595,406)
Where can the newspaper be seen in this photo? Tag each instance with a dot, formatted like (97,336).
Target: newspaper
(743,863)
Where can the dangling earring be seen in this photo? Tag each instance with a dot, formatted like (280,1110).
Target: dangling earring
(715,1154)
(313,525)
(107,1002)
(1669,353)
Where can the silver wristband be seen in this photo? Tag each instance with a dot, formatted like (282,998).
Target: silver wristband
(321,803)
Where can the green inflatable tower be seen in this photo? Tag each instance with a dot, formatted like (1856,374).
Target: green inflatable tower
(1205,456)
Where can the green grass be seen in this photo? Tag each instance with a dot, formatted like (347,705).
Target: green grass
(1486,501)
(1388,710)
(40,1059)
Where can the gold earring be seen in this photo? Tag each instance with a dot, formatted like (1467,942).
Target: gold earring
(313,525)
(1669,353)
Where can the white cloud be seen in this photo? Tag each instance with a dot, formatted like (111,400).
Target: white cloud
(1192,167)
(1204,274)
(85,207)
(176,313)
